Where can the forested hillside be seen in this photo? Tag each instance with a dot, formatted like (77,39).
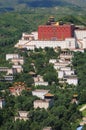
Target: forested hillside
(9,5)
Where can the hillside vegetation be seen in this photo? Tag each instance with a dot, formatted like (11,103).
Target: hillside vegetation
(9,5)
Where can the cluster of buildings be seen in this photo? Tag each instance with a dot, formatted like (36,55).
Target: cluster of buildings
(8,73)
(17,62)
(64,68)
(55,34)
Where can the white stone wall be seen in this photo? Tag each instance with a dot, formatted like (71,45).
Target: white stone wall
(68,43)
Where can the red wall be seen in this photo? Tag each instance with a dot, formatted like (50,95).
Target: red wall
(53,32)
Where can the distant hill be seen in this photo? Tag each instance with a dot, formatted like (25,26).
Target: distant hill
(20,4)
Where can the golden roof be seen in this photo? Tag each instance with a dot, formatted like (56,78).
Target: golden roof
(75,95)
(49,95)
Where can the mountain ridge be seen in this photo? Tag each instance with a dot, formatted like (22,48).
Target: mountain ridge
(13,4)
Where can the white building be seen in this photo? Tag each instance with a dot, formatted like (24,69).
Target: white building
(22,115)
(71,79)
(47,128)
(43,83)
(38,78)
(18,68)
(43,103)
(7,70)
(8,78)
(40,93)
(69,72)
(68,56)
(39,81)
(59,65)
(30,47)
(53,61)
(62,73)
(35,34)
(10,72)
(80,33)
(32,36)
(80,36)
(17,61)
(65,68)
(11,56)
(2,103)
(26,36)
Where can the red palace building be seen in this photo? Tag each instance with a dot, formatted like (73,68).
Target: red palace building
(55,30)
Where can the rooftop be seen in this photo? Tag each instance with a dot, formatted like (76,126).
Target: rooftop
(70,77)
(41,90)
(49,95)
(40,101)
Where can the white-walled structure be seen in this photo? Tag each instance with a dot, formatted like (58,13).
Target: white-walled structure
(52,61)
(80,36)
(71,79)
(67,56)
(62,73)
(80,33)
(59,65)
(43,103)
(69,72)
(32,36)
(18,68)
(17,61)
(47,128)
(11,56)
(40,93)
(22,115)
(43,83)
(2,103)
(65,68)
(39,81)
